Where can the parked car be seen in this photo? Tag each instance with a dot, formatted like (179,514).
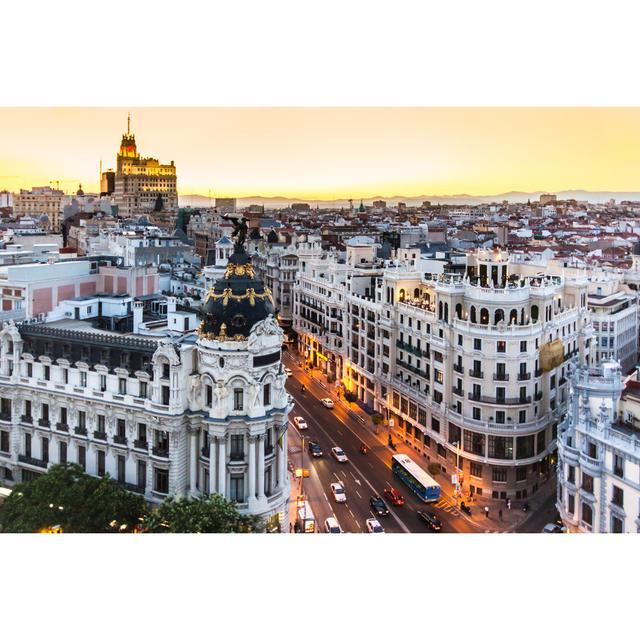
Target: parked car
(327,402)
(288,372)
(337,491)
(394,497)
(339,454)
(552,527)
(373,526)
(301,423)
(430,520)
(315,450)
(378,506)
(331,526)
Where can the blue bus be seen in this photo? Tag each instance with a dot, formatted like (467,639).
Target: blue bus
(416,478)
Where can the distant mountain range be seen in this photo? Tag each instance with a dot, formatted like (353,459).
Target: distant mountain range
(195,200)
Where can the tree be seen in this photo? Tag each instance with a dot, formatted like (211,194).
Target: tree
(68,497)
(202,514)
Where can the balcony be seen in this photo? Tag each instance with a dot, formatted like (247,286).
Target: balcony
(204,452)
(6,416)
(134,488)
(140,444)
(537,396)
(80,431)
(100,435)
(32,461)
(474,373)
(503,377)
(592,466)
(62,426)
(458,368)
(524,376)
(408,347)
(160,452)
(237,456)
(42,422)
(499,401)
(458,391)
(28,419)
(117,439)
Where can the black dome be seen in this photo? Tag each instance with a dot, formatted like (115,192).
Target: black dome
(236,302)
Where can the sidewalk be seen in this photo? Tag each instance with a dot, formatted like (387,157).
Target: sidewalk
(511,518)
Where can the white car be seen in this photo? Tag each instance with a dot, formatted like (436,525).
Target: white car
(327,402)
(288,372)
(331,526)
(300,422)
(337,490)
(553,528)
(373,526)
(339,454)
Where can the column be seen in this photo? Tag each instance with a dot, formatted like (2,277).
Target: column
(194,461)
(252,468)
(222,465)
(261,467)
(212,464)
(280,456)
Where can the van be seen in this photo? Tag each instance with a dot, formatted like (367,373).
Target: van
(331,526)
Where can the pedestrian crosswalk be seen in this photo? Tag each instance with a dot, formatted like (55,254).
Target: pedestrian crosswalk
(448,508)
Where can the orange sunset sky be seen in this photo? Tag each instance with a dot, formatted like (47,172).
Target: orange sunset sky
(332,152)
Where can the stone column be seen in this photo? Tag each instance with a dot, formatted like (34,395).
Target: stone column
(193,468)
(261,467)
(252,468)
(222,465)
(282,454)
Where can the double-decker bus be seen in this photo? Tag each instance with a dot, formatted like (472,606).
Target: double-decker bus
(416,478)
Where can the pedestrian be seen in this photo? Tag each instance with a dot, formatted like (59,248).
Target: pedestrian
(500,514)
(291,527)
(486,512)
(509,504)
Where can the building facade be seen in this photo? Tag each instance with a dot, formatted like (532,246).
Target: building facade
(40,201)
(599,453)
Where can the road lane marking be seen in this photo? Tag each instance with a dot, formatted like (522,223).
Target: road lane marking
(351,512)
(340,432)
(359,496)
(344,473)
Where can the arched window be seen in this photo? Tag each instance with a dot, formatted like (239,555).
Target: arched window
(459,311)
(534,313)
(484,316)
(416,293)
(513,316)
(472,315)
(498,316)
(401,295)
(446,312)
(440,310)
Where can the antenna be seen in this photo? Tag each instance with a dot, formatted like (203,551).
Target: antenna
(128,123)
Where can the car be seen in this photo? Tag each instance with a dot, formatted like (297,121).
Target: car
(337,491)
(430,520)
(327,402)
(315,450)
(552,527)
(378,506)
(331,526)
(373,526)
(300,422)
(394,497)
(288,372)
(339,454)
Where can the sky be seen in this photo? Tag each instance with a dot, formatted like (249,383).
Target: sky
(326,153)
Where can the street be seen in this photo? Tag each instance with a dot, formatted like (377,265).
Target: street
(364,475)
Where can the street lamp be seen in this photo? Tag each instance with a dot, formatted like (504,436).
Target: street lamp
(457,445)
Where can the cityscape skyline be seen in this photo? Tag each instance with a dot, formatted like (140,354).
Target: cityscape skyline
(359,152)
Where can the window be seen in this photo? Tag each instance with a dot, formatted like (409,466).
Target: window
(4,441)
(521,474)
(63,415)
(122,386)
(46,372)
(522,416)
(237,447)
(499,475)
(101,463)
(165,394)
(27,408)
(571,474)
(142,432)
(587,514)
(83,378)
(500,447)
(209,389)
(45,412)
(524,447)
(477,414)
(541,438)
(161,480)
(459,340)
(454,434)
(523,346)
(82,457)
(618,497)
(236,488)
(103,382)
(616,524)
(477,344)
(238,400)
(143,389)
(165,370)
(266,395)
(435,425)
(82,419)
(121,469)
(592,450)
(618,465)
(121,428)
(500,417)
(142,474)
(587,482)
(571,503)
(101,423)
(65,376)
(27,445)
(62,452)
(29,370)
(476,470)
(501,346)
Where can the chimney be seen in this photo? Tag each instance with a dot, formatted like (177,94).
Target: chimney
(171,304)
(137,316)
